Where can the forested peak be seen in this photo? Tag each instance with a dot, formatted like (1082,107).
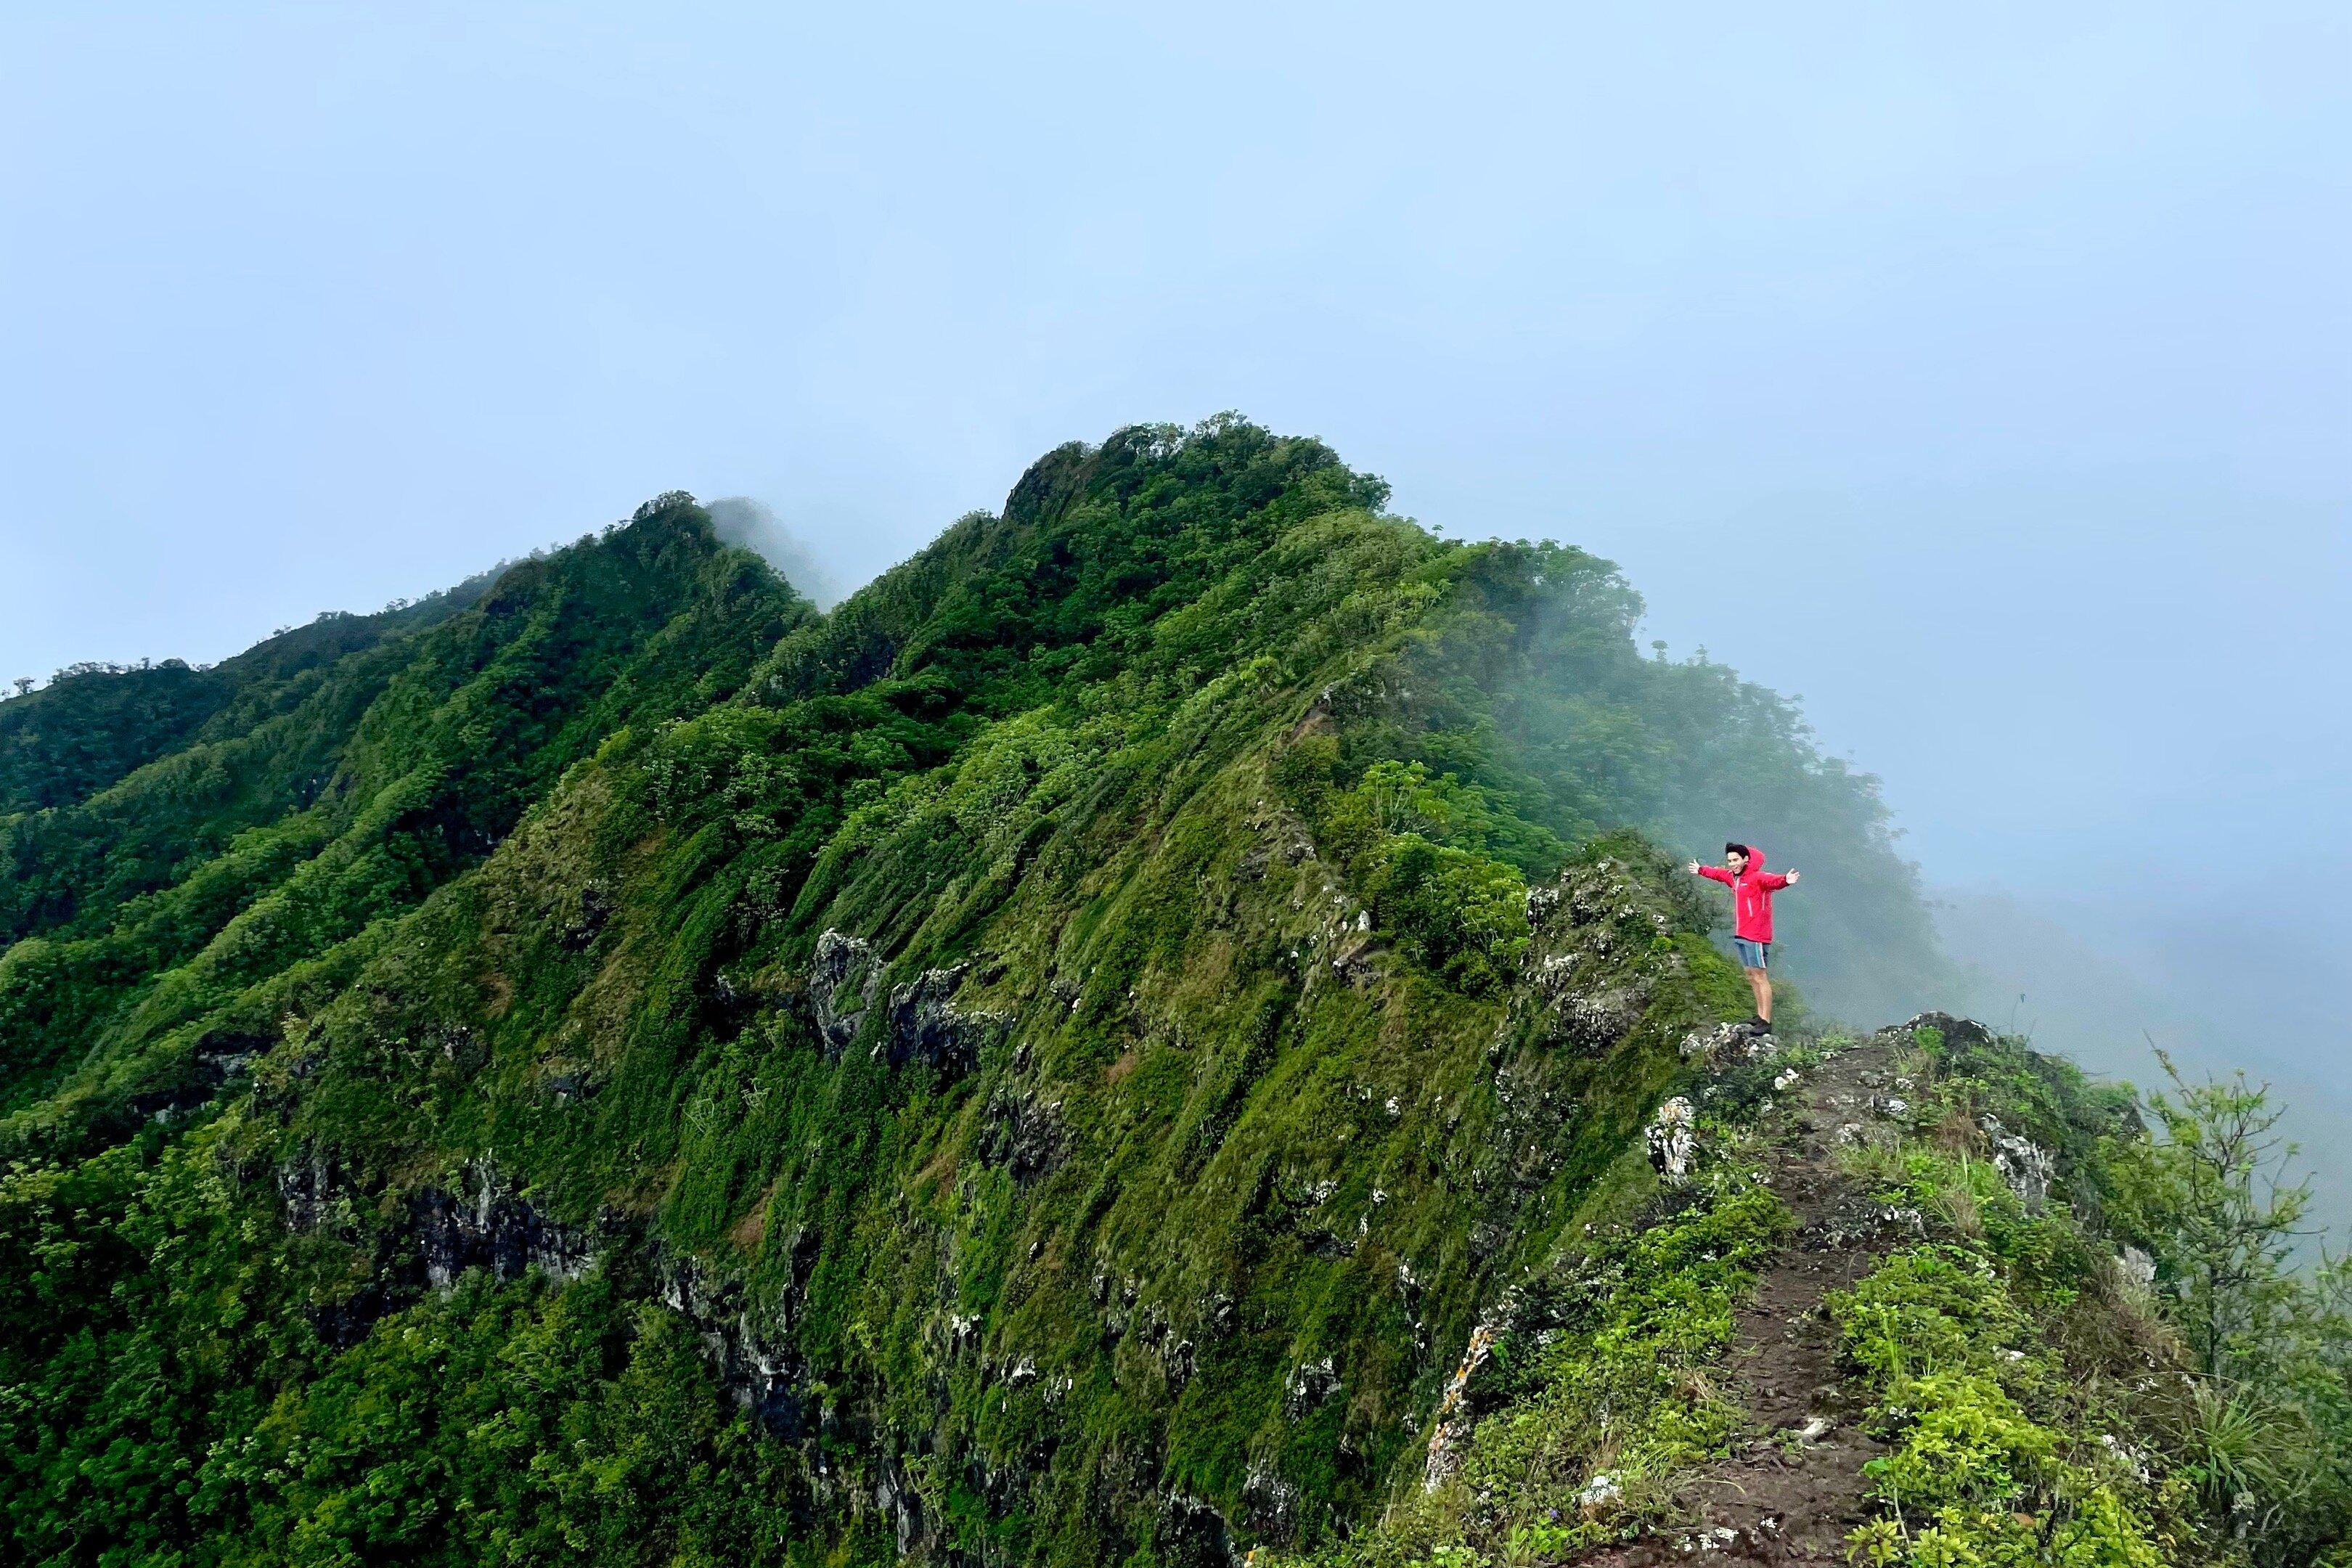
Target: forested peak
(1093,543)
(93,723)
(1225,452)
(667,540)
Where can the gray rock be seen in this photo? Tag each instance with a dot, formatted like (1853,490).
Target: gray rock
(1023,1134)
(1307,1386)
(1674,1141)
(897,1500)
(1729,1044)
(1955,1031)
(305,1189)
(747,1345)
(485,1226)
(1596,1020)
(925,1028)
(1190,1533)
(843,978)
(2024,1164)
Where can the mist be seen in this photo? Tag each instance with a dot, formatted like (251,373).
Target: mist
(2222,981)
(754,524)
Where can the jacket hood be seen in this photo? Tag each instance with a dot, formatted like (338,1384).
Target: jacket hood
(1755,861)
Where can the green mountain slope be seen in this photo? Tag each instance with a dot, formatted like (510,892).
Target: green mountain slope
(337,776)
(1047,1062)
(94,723)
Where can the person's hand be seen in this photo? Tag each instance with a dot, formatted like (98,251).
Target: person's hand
(1793,878)
(1693,868)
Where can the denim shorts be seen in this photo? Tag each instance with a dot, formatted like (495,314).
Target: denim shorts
(1752,955)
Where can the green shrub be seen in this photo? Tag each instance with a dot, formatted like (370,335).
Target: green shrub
(1465,915)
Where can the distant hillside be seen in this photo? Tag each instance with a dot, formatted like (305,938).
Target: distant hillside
(93,723)
(195,834)
(1067,1057)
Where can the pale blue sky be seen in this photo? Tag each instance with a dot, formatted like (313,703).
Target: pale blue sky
(1983,375)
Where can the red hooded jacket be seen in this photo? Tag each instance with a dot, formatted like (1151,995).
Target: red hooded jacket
(1751,895)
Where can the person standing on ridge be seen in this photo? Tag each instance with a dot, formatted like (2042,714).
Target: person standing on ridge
(1752,888)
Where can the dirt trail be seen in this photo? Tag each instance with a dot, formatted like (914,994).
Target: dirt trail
(1789,1493)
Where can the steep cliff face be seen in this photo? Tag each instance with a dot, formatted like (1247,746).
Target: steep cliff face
(1051,1061)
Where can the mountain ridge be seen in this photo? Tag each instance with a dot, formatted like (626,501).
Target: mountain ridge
(1049,1061)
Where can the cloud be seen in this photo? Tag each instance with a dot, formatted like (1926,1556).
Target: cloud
(754,524)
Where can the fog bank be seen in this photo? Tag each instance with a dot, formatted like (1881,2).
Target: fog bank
(2204,972)
(754,525)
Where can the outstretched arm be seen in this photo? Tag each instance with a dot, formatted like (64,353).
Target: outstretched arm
(1773,881)
(1712,873)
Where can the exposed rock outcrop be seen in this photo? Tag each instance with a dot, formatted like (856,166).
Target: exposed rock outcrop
(842,977)
(1954,1031)
(2024,1164)
(925,1028)
(748,1345)
(1586,925)
(1024,1134)
(1308,1386)
(1454,1418)
(1674,1141)
(306,1187)
(485,1226)
(1729,1044)
(1192,1535)
(922,1023)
